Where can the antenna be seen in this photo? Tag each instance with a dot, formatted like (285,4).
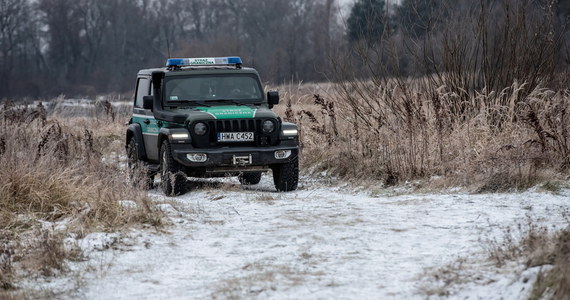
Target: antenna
(167,43)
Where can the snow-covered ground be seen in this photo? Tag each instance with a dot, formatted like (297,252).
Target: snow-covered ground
(316,243)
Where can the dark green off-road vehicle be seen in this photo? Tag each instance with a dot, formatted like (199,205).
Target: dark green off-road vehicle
(208,117)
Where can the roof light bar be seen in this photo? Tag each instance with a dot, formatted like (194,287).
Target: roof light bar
(203,61)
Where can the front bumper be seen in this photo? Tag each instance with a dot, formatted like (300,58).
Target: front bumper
(224,156)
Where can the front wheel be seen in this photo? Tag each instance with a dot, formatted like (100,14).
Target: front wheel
(173,180)
(286,176)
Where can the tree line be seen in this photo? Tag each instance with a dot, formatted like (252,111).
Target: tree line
(88,47)
(481,45)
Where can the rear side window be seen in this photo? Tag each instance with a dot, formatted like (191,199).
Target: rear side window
(143,88)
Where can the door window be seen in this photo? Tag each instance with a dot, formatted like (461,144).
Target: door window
(143,88)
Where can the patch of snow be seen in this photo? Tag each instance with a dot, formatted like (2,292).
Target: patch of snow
(128,204)
(98,241)
(313,243)
(515,285)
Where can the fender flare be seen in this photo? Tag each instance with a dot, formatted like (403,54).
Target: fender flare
(135,131)
(162,135)
(166,134)
(285,126)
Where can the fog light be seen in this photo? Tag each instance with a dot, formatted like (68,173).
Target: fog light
(290,132)
(179,136)
(197,157)
(282,154)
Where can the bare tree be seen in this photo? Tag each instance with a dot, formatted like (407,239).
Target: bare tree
(88,46)
(16,41)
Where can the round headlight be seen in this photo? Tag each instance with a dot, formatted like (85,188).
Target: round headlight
(200,128)
(268,126)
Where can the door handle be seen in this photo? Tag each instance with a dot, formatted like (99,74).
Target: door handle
(147,121)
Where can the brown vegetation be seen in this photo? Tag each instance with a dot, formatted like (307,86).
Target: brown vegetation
(396,131)
(63,171)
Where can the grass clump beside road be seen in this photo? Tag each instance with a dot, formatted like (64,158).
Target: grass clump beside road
(538,247)
(529,245)
(59,177)
(555,282)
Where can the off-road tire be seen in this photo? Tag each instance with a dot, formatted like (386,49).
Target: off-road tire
(136,169)
(249,178)
(286,176)
(173,180)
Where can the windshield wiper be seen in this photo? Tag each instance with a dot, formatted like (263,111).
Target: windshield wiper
(191,102)
(201,103)
(228,100)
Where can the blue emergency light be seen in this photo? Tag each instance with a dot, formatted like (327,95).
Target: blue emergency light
(203,61)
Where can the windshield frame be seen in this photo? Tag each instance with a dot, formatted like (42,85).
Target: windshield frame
(211,102)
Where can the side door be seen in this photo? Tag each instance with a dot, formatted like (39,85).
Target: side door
(145,118)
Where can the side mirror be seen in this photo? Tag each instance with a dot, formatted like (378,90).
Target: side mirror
(148,102)
(272,98)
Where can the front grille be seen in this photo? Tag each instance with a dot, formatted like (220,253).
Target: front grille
(216,126)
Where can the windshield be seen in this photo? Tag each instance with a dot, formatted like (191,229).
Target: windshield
(200,89)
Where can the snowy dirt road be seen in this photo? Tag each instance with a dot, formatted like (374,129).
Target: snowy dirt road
(315,243)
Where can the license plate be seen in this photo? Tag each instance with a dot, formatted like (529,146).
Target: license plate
(235,136)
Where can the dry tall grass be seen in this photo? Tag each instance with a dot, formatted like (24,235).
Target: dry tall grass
(59,170)
(401,129)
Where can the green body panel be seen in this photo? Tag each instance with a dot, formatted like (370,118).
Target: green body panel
(204,113)
(225,112)
(264,112)
(229,111)
(153,127)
